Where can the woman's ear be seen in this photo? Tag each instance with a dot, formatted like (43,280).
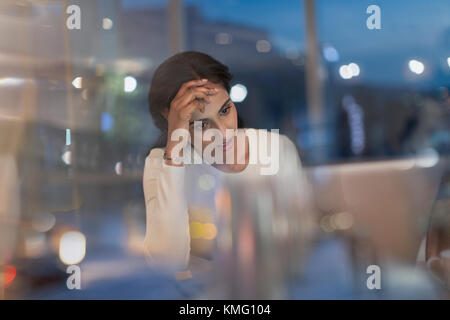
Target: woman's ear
(165,113)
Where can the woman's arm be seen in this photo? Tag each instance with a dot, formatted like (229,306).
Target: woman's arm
(167,241)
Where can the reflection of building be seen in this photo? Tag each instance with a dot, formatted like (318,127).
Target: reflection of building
(144,35)
(275,84)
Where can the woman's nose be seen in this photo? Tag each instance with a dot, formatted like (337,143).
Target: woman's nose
(222,128)
(227,133)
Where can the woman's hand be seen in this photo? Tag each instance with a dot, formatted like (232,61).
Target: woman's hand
(187,100)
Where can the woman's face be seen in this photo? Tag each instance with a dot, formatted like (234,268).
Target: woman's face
(220,113)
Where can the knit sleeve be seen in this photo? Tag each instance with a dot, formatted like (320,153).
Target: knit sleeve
(167,241)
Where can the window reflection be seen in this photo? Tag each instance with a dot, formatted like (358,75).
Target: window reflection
(75,130)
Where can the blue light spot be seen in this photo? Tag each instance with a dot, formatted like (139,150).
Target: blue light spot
(107,121)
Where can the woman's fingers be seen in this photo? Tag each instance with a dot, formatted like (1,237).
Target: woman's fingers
(190,97)
(187,85)
(198,93)
(205,89)
(188,110)
(195,94)
(186,101)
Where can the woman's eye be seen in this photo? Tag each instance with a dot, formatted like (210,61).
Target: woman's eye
(225,110)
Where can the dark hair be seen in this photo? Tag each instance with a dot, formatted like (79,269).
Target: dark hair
(175,71)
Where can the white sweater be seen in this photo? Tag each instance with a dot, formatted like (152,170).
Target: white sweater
(175,195)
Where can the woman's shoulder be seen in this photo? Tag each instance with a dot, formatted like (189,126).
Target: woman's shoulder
(154,159)
(153,155)
(156,153)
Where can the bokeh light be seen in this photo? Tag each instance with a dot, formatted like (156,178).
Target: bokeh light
(238,93)
(263,46)
(416,66)
(10,273)
(345,72)
(354,69)
(130,84)
(349,71)
(67,157)
(72,247)
(78,82)
(107,24)
(330,53)
(223,38)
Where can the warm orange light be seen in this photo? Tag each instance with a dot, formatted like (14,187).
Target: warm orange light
(209,231)
(9,275)
(222,200)
(246,251)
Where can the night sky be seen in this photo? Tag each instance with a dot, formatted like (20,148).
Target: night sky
(413,29)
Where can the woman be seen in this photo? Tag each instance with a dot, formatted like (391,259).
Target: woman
(190,93)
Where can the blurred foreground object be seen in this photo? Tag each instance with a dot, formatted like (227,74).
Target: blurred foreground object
(9,217)
(372,213)
(264,237)
(438,235)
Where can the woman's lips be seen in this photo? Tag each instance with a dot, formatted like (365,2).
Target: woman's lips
(228,144)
